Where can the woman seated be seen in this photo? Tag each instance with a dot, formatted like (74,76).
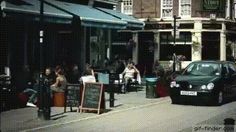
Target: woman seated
(129,74)
(60,84)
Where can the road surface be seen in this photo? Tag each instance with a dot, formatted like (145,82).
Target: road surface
(159,116)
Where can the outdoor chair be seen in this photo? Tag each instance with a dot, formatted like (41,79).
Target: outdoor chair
(115,82)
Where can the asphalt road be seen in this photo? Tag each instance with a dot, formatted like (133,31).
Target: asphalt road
(160,116)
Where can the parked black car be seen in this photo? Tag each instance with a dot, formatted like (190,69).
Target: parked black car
(205,82)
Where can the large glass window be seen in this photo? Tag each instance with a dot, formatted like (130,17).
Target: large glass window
(185,8)
(182,47)
(167,8)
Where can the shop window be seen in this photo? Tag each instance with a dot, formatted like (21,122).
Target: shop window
(167,51)
(182,47)
(185,37)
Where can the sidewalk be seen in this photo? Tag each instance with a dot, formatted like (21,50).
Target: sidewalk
(26,118)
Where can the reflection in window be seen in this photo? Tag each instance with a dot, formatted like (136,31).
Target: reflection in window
(203,69)
(232,69)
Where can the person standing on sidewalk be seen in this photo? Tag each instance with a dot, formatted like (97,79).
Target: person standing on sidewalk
(161,86)
(158,69)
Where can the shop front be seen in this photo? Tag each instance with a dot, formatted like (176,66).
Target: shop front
(73,33)
(196,40)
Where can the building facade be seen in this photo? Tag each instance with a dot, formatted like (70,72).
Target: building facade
(74,33)
(205,29)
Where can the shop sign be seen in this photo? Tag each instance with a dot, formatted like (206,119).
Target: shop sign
(211,26)
(231,26)
(212,4)
(157,26)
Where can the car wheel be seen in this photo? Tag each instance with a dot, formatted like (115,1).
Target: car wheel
(174,101)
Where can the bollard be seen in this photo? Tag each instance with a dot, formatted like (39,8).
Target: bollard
(112,99)
(229,124)
(44,110)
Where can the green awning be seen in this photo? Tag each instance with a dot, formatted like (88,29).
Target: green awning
(90,17)
(132,22)
(32,7)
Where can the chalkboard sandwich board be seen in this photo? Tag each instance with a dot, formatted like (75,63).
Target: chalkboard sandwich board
(72,96)
(91,97)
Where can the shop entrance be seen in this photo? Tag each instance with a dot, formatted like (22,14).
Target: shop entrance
(146,52)
(210,46)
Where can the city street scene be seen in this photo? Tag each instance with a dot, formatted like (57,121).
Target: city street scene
(118,65)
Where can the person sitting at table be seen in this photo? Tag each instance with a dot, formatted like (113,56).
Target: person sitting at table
(129,74)
(60,84)
(88,75)
(88,70)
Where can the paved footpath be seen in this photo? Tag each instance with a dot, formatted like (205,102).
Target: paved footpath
(130,105)
(26,118)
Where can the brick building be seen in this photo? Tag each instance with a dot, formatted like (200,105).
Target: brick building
(206,30)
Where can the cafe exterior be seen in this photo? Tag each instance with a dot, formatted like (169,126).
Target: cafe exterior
(73,33)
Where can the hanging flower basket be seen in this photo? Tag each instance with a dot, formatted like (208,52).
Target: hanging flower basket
(196,45)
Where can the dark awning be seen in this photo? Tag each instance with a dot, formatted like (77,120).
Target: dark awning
(132,22)
(32,7)
(89,16)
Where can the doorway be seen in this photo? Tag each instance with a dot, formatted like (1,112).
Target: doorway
(210,46)
(146,52)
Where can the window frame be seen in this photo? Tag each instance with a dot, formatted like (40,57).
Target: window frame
(127,4)
(166,42)
(180,9)
(162,8)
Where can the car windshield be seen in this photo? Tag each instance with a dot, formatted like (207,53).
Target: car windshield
(202,69)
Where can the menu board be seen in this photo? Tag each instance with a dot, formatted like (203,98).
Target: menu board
(72,98)
(91,97)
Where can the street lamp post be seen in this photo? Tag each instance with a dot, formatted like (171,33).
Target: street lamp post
(44,88)
(174,35)
(44,96)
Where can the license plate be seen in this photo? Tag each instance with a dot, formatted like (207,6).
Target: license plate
(190,93)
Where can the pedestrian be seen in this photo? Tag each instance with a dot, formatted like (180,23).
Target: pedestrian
(158,69)
(88,70)
(49,76)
